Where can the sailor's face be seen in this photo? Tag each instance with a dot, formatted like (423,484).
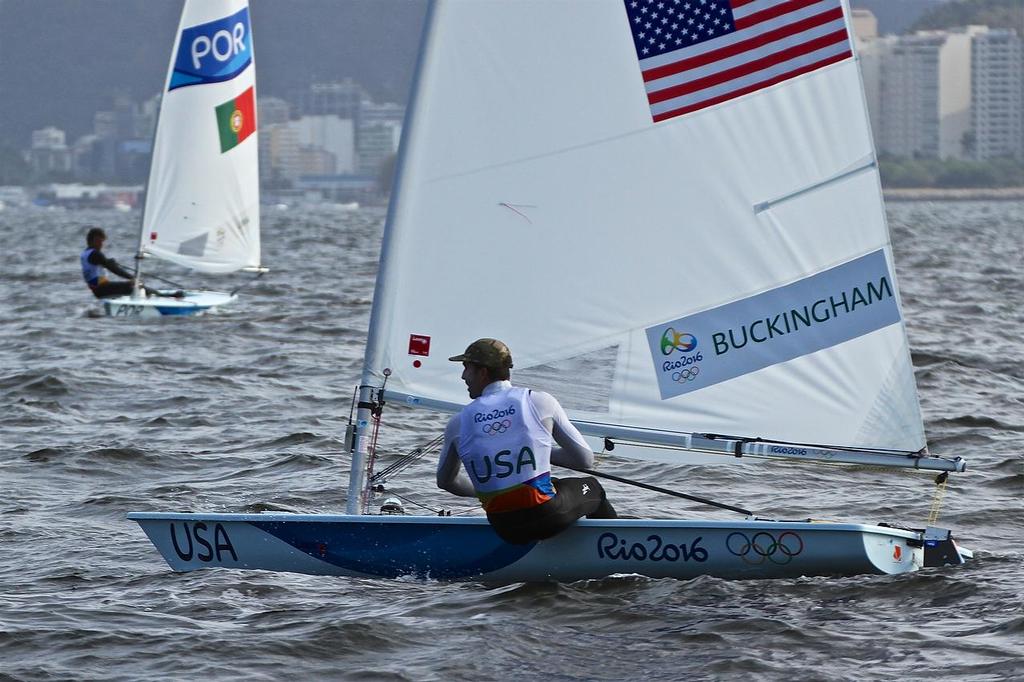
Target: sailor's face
(476,378)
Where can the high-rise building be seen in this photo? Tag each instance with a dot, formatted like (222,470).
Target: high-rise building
(872,53)
(925,95)
(865,25)
(49,152)
(272,110)
(377,141)
(323,99)
(279,152)
(334,135)
(380,130)
(997,95)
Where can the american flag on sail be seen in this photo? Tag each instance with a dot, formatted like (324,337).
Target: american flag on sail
(696,53)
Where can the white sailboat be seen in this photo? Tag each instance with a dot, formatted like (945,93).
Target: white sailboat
(691,238)
(202,199)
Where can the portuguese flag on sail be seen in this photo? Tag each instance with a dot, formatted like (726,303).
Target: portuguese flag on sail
(236,120)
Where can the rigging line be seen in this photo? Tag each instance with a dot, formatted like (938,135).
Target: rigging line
(407,460)
(376,413)
(940,491)
(158,278)
(249,283)
(438,511)
(665,491)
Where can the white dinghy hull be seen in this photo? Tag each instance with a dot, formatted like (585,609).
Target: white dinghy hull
(192,303)
(466,548)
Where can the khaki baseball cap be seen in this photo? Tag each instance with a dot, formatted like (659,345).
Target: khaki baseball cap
(486,352)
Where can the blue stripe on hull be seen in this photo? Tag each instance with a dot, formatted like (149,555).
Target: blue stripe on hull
(425,551)
(180,310)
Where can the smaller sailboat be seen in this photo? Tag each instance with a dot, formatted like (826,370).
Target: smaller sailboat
(202,200)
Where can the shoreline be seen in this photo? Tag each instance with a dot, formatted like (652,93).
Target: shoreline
(953,194)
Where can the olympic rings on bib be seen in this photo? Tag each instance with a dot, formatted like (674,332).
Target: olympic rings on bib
(494,428)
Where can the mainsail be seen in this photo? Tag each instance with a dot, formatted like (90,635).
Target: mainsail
(689,242)
(202,200)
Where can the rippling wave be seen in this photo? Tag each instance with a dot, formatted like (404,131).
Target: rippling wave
(244,411)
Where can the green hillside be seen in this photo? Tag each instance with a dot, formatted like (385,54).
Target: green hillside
(991,13)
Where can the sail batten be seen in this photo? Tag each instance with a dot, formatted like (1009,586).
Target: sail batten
(723,271)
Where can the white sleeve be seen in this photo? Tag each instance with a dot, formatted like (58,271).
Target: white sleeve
(450,475)
(573,451)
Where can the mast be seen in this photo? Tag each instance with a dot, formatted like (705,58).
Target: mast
(140,253)
(374,341)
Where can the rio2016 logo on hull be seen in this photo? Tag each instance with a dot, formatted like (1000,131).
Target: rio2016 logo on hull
(213,52)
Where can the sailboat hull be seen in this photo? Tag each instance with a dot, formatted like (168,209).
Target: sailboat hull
(466,548)
(192,303)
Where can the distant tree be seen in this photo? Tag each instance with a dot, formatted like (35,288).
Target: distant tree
(993,13)
(14,170)
(969,143)
(958,173)
(951,173)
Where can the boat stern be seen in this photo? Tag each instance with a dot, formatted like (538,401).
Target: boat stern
(940,549)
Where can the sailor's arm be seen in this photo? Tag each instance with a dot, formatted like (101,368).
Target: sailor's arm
(573,451)
(97,258)
(450,475)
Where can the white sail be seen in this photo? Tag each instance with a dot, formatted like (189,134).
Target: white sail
(712,258)
(202,200)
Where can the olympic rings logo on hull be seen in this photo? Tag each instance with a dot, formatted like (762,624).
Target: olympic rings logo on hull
(494,428)
(764,546)
(671,340)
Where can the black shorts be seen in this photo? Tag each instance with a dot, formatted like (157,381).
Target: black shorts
(574,498)
(112,289)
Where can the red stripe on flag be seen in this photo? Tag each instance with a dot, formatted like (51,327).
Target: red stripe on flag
(773,12)
(748,68)
(740,3)
(751,88)
(736,48)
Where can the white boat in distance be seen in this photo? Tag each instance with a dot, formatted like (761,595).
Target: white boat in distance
(202,200)
(681,236)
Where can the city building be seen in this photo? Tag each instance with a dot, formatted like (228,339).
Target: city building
(334,135)
(872,53)
(342,99)
(279,153)
(925,94)
(997,95)
(380,130)
(377,142)
(49,153)
(272,110)
(865,25)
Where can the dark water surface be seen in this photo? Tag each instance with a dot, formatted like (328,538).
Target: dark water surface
(245,410)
